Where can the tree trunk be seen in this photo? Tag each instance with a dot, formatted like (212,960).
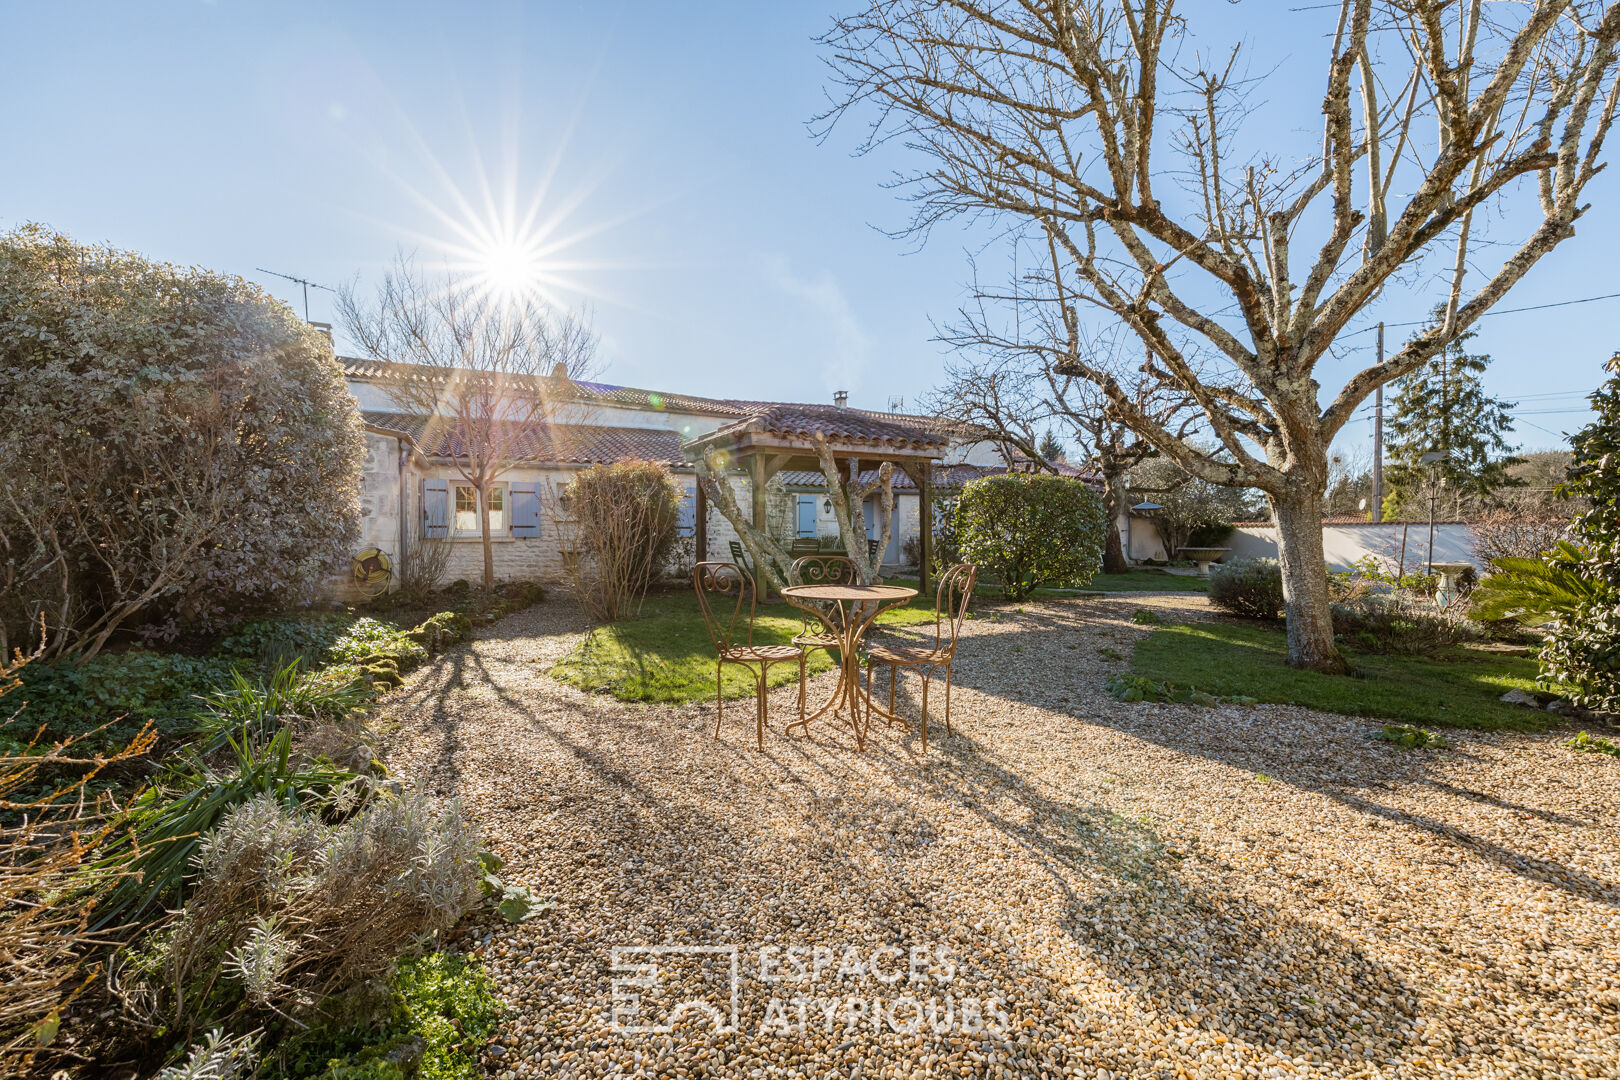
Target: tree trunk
(483,532)
(1304,582)
(1114,560)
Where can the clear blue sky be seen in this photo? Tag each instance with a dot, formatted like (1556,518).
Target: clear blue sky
(723,250)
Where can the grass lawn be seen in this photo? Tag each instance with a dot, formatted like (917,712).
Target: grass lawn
(1131,581)
(665,655)
(1457,689)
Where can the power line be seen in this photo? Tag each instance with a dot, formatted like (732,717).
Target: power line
(1504,311)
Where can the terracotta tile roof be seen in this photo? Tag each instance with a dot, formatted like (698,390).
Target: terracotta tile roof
(946,477)
(579,444)
(841,424)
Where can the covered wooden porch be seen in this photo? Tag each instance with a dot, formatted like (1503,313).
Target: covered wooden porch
(790,437)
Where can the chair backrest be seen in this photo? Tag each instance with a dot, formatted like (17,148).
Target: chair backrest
(823,570)
(738,555)
(726,597)
(951,603)
(804,545)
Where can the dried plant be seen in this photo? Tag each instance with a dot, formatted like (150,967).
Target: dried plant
(295,911)
(51,828)
(423,563)
(622,520)
(1525,532)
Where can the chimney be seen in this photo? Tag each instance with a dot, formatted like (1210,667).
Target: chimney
(841,398)
(560,372)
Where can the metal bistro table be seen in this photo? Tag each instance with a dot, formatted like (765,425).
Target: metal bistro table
(846,611)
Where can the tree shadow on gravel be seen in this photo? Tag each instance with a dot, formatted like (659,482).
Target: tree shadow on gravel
(1150,921)
(1322,754)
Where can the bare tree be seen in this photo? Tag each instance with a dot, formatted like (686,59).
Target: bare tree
(1012,387)
(487,372)
(1048,113)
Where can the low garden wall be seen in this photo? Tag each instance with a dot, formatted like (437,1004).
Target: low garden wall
(1350,543)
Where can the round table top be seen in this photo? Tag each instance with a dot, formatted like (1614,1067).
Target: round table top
(849,592)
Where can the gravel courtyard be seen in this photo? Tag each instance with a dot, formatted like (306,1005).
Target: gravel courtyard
(1069,886)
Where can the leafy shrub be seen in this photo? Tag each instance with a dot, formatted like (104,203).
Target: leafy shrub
(441,1008)
(180,447)
(1248,587)
(289,912)
(1026,530)
(1146,616)
(1410,738)
(1582,653)
(163,689)
(1589,744)
(625,517)
(368,640)
(1401,624)
(1134,688)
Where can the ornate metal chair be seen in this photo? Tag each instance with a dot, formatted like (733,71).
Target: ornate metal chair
(950,609)
(818,570)
(724,591)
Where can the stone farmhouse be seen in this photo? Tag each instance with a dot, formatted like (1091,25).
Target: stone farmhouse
(412,489)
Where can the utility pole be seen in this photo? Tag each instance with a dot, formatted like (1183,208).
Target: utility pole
(1378,439)
(297,281)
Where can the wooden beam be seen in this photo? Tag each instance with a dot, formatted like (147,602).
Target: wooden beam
(924,478)
(701,516)
(756,488)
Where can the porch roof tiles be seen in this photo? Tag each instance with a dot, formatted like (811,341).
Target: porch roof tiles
(571,444)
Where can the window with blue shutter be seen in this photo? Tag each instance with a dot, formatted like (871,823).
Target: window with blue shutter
(686,521)
(525,509)
(435,509)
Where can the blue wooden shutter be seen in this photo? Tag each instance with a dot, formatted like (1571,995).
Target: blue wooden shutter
(525,502)
(435,509)
(686,520)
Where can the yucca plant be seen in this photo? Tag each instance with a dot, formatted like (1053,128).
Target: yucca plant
(1535,591)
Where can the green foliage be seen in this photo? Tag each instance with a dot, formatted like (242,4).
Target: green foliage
(1134,688)
(1108,652)
(1410,738)
(1397,622)
(153,856)
(1146,616)
(260,708)
(1582,653)
(138,686)
(1027,530)
(1442,405)
(442,1007)
(1195,513)
(1248,587)
(1536,591)
(1459,688)
(1589,744)
(180,448)
(368,640)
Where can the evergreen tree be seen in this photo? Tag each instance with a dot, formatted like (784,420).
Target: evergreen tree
(1050,448)
(1582,653)
(1443,406)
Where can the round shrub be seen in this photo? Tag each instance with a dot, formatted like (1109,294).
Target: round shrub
(1024,531)
(180,448)
(1248,587)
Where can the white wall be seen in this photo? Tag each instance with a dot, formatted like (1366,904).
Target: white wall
(1346,544)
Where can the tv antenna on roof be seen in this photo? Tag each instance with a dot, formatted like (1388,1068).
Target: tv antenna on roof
(897,404)
(298,281)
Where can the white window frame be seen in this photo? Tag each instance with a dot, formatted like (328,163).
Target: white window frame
(501,495)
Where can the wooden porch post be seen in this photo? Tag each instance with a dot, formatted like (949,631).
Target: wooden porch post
(925,521)
(756,487)
(701,516)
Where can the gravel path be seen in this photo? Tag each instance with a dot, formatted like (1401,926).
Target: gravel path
(1068,886)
